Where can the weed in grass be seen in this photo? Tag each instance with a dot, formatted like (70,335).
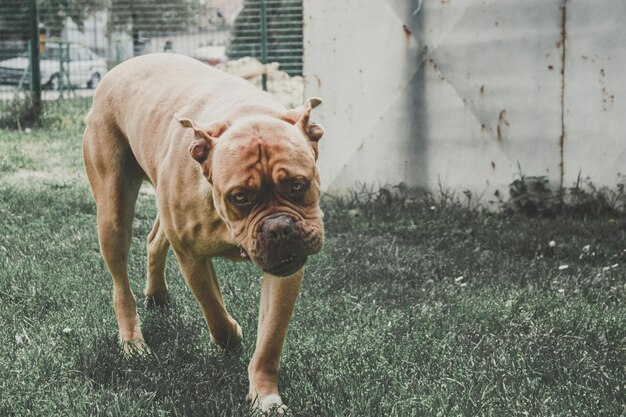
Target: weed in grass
(533,196)
(584,198)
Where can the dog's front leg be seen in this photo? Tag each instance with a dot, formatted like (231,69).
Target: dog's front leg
(278,298)
(200,277)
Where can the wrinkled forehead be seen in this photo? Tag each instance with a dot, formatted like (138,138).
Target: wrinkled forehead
(257,152)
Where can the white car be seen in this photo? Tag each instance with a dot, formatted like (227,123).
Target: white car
(84,69)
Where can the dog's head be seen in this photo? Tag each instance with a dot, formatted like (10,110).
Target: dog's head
(265,184)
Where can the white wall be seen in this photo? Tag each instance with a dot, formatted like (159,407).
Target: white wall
(595,93)
(459,92)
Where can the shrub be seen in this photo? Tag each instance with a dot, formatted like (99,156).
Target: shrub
(19,113)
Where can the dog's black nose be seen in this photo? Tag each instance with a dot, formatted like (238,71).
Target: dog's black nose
(278,228)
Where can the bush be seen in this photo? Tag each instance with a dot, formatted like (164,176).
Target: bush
(19,113)
(533,196)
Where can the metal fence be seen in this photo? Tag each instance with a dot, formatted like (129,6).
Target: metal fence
(79,40)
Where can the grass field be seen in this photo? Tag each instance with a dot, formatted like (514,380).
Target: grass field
(411,309)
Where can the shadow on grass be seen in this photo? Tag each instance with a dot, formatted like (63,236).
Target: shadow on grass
(184,367)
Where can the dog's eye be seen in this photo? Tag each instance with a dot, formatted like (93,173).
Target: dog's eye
(298,187)
(241,198)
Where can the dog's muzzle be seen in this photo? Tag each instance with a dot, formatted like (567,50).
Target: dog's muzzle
(285,250)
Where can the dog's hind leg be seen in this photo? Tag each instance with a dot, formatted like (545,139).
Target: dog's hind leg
(115,178)
(156,286)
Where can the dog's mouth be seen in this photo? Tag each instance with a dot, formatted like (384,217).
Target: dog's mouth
(287,266)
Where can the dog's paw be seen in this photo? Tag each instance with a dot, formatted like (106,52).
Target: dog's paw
(270,405)
(135,348)
(156,300)
(231,340)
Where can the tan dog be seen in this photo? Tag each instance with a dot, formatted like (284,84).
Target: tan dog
(235,176)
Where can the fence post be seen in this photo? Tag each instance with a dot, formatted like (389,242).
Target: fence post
(35,73)
(263,34)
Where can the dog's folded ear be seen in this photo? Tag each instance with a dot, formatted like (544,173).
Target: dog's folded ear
(205,137)
(206,131)
(300,116)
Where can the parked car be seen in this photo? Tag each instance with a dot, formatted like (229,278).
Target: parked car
(212,55)
(84,69)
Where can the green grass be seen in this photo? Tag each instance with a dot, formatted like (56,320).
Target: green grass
(384,325)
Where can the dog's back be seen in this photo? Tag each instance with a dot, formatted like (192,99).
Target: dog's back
(139,99)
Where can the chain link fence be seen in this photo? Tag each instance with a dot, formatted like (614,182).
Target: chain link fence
(75,42)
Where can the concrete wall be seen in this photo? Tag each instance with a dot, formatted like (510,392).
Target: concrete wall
(462,92)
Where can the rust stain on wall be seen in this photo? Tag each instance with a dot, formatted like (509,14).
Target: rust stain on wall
(503,126)
(607,98)
(563,60)
(437,71)
(407,31)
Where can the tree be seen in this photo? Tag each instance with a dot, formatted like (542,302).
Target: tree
(133,15)
(54,13)
(152,15)
(15,15)
(15,19)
